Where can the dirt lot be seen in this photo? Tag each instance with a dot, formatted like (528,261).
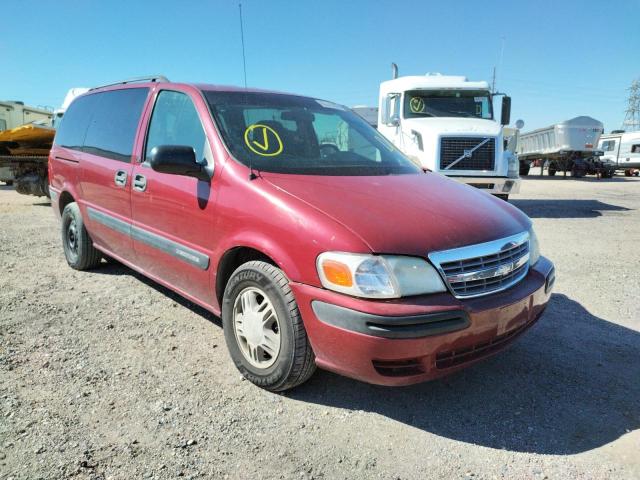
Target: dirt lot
(107,375)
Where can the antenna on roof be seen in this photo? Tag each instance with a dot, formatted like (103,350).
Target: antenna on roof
(244,61)
(252,176)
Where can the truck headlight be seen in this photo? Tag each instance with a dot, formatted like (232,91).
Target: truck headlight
(377,276)
(534,247)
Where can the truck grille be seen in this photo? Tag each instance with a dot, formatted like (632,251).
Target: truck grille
(484,268)
(462,149)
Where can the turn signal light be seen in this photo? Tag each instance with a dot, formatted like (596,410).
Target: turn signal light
(337,273)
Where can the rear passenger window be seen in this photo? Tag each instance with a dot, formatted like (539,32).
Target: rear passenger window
(114,123)
(73,126)
(175,121)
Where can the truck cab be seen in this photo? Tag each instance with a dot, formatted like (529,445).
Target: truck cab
(447,125)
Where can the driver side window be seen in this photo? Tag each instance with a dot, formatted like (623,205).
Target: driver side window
(175,121)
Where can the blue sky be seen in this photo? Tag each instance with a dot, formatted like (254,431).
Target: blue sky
(561,59)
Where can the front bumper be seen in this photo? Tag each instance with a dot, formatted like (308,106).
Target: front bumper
(493,185)
(433,335)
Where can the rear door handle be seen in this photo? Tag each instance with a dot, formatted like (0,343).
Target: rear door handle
(120,178)
(139,182)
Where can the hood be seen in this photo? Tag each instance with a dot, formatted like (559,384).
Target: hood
(406,214)
(448,126)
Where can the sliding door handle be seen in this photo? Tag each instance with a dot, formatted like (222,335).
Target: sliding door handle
(120,178)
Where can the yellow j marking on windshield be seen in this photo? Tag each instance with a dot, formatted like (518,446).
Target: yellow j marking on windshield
(264,140)
(416,105)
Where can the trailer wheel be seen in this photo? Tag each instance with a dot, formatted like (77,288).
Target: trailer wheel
(524,168)
(8,183)
(627,172)
(552,171)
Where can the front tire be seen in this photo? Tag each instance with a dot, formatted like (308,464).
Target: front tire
(263,329)
(78,247)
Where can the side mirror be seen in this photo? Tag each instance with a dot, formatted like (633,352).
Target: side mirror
(505,117)
(177,160)
(394,121)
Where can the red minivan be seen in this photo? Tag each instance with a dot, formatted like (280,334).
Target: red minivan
(311,235)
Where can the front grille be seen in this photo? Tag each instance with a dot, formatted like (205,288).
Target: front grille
(453,148)
(485,268)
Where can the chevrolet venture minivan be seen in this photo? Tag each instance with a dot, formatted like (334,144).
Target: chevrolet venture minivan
(313,237)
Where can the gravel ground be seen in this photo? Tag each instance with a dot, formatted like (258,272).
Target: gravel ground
(107,375)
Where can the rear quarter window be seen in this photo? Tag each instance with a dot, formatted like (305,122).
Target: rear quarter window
(73,127)
(114,123)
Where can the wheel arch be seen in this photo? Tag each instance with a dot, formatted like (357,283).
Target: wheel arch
(231,260)
(65,199)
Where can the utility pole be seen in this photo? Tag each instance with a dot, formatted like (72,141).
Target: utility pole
(632,115)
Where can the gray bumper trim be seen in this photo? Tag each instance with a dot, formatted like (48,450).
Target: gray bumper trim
(415,326)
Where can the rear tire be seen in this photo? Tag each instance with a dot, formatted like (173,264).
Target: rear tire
(76,242)
(263,329)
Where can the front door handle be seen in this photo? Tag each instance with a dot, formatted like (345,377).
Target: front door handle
(120,178)
(139,182)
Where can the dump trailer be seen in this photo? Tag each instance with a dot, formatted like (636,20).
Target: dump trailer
(569,146)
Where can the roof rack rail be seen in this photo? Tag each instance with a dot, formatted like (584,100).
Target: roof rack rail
(153,78)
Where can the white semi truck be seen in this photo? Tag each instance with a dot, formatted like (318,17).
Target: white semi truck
(447,125)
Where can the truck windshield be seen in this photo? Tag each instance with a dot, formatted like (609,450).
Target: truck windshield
(299,135)
(448,103)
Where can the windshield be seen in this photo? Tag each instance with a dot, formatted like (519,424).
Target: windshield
(448,103)
(290,134)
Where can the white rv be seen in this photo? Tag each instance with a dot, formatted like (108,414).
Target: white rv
(621,149)
(447,124)
(14,114)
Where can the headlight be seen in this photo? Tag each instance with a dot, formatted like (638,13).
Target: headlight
(377,276)
(534,247)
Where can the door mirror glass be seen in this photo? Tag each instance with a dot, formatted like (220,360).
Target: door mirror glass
(177,160)
(506,111)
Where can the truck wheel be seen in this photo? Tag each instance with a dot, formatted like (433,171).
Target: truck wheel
(524,169)
(263,329)
(552,171)
(78,247)
(503,196)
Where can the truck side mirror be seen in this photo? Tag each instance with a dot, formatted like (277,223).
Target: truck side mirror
(394,120)
(505,117)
